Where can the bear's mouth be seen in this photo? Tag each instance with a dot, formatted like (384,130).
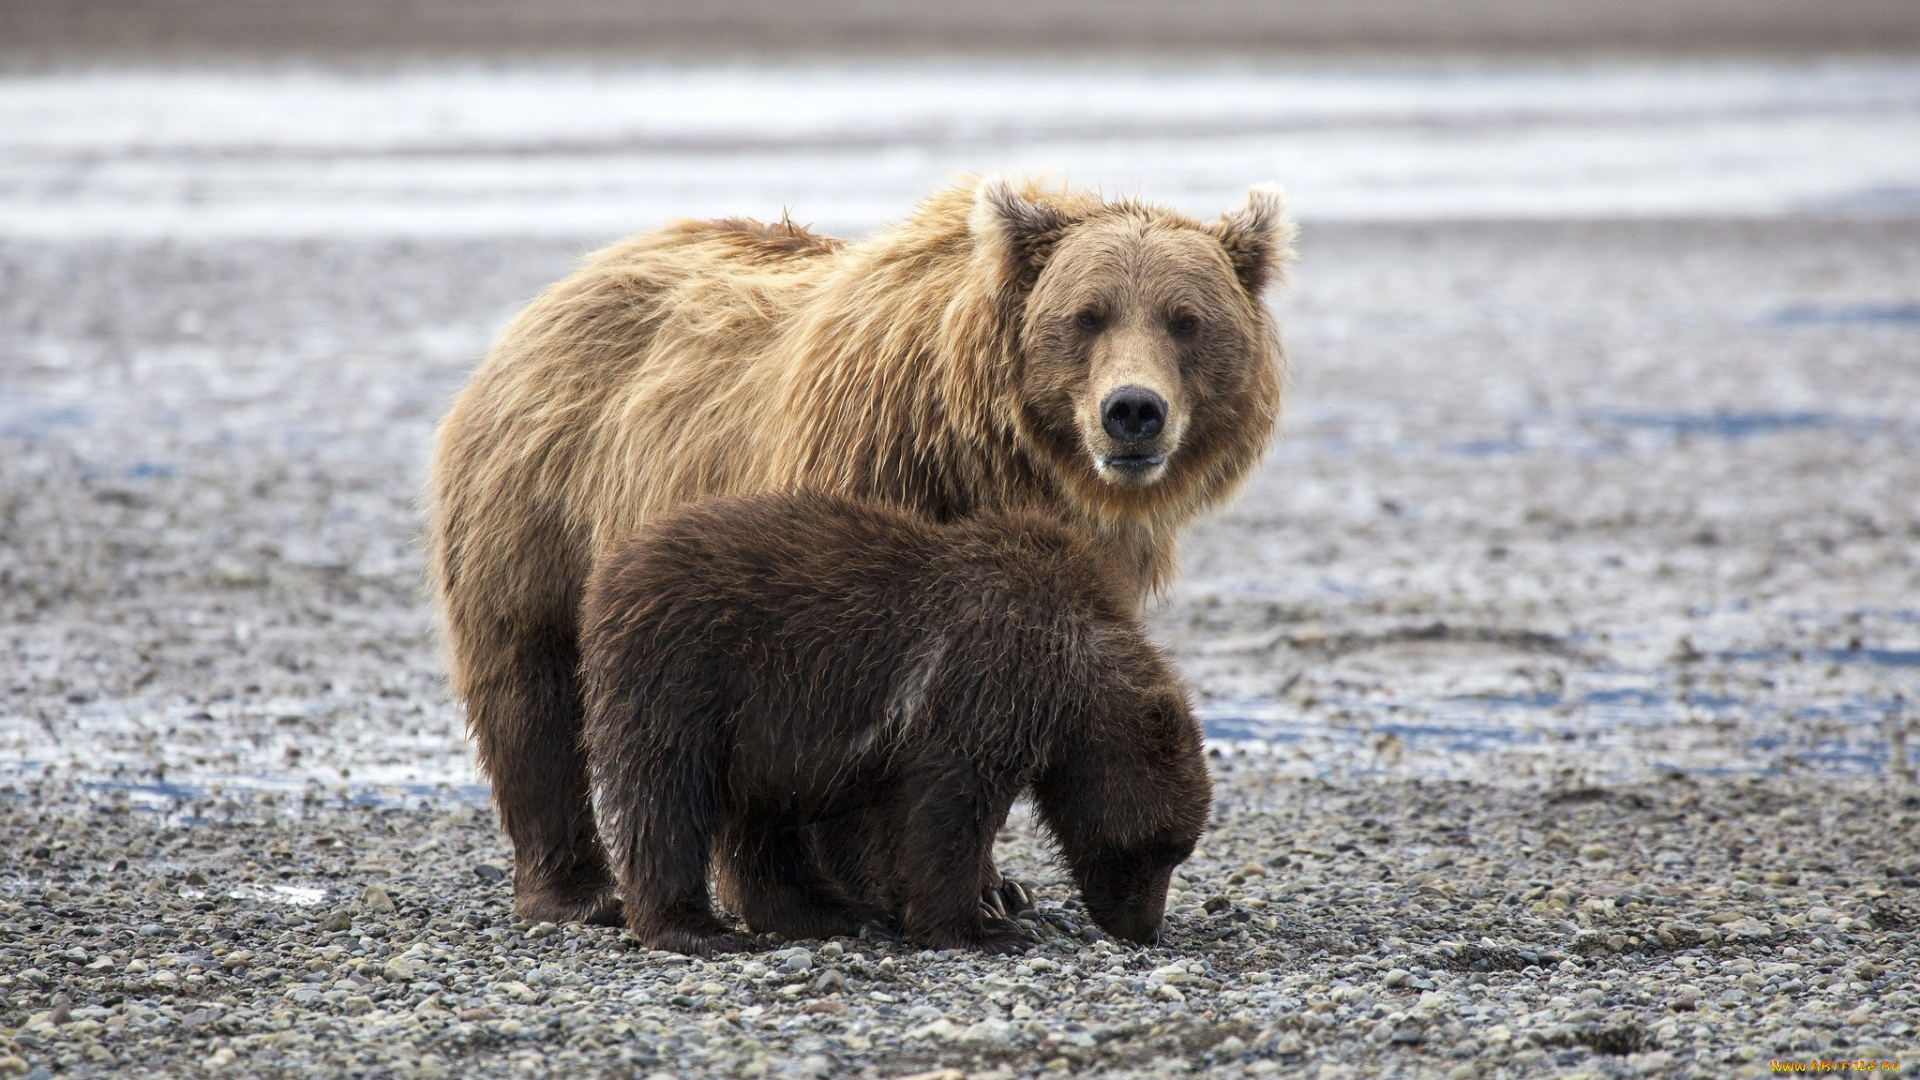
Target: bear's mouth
(1133,461)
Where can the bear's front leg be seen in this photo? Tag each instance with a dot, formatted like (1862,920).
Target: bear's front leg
(944,868)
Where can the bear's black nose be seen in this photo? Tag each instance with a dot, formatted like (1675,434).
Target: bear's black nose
(1133,414)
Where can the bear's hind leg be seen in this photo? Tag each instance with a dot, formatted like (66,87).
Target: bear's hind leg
(526,717)
(770,877)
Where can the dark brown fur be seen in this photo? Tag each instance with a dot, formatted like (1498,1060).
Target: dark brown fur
(834,704)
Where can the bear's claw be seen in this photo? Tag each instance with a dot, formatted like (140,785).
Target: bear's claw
(1004,899)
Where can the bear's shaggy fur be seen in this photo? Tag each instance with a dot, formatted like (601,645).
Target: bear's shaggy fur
(1109,363)
(834,704)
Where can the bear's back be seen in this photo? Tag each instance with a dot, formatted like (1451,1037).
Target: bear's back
(806,608)
(772,558)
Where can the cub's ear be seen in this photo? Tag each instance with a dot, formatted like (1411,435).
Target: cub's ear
(1012,232)
(1258,238)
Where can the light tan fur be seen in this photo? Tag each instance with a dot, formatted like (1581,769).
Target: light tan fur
(732,357)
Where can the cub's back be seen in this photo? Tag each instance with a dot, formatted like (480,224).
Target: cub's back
(783,553)
(844,586)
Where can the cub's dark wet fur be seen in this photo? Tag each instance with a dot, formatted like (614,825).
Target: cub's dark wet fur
(834,704)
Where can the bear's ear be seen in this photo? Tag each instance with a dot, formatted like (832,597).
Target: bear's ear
(1013,233)
(1258,238)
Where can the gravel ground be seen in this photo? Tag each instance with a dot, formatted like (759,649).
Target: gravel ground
(1563,658)
(1683,928)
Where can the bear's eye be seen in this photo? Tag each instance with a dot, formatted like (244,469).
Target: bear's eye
(1087,320)
(1185,324)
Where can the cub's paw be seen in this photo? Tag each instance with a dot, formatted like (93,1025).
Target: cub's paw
(698,943)
(882,929)
(687,928)
(814,920)
(596,907)
(998,937)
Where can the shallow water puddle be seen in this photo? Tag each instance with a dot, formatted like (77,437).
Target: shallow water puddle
(1605,433)
(1846,314)
(205,799)
(1611,735)
(1896,658)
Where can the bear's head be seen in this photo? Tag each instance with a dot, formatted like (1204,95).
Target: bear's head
(1128,806)
(1149,369)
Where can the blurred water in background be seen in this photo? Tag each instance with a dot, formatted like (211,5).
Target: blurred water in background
(583,151)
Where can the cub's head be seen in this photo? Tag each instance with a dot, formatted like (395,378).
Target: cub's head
(1149,367)
(1127,807)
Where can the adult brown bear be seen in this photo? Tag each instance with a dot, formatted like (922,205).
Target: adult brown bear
(833,704)
(1008,346)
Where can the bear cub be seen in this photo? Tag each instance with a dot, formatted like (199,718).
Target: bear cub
(833,704)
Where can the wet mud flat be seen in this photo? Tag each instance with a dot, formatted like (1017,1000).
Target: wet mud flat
(1582,575)
(1682,927)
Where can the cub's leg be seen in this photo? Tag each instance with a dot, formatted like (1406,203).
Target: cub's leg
(771,876)
(943,859)
(523,706)
(856,854)
(661,788)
